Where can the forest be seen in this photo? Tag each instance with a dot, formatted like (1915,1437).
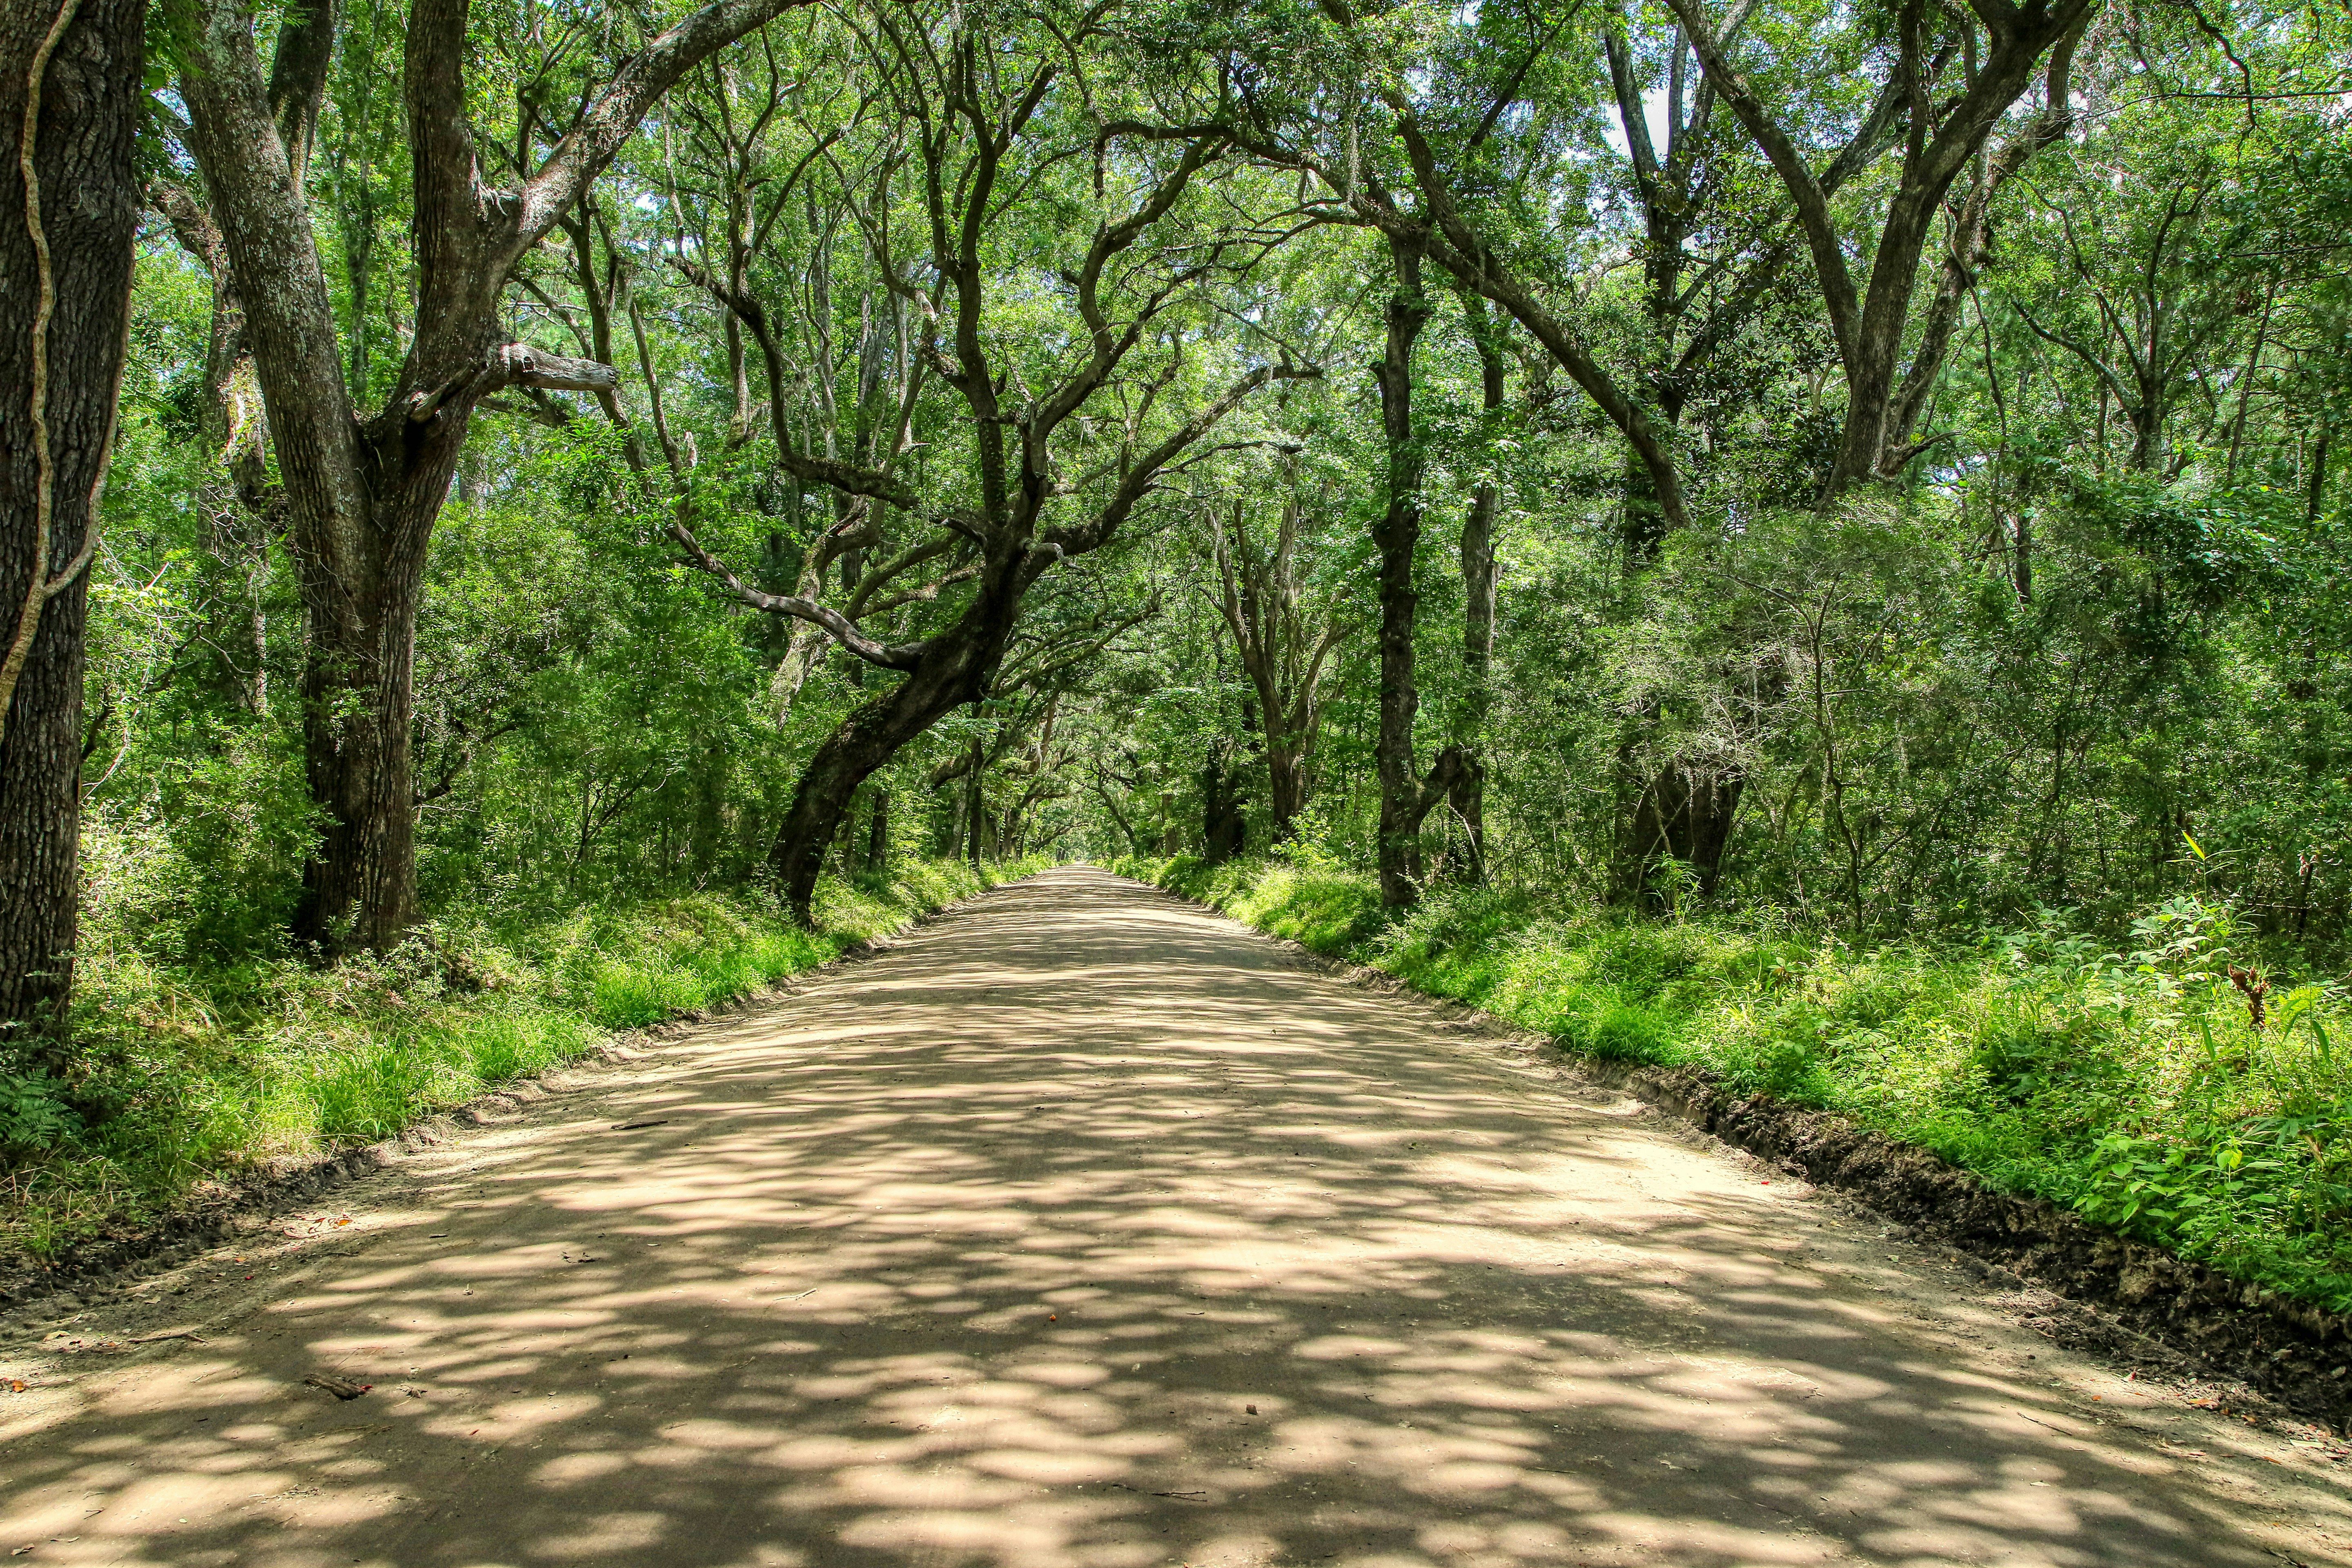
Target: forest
(1806,540)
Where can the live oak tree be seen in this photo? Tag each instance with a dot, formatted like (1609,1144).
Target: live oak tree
(1284,639)
(363,490)
(1066,422)
(70,79)
(1955,75)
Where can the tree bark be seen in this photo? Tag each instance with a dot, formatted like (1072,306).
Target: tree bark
(956,670)
(63,326)
(1685,813)
(1467,800)
(1397,535)
(1225,829)
(878,834)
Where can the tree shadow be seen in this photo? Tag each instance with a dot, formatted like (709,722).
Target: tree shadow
(1080,1230)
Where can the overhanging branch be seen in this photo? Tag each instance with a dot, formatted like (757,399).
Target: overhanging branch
(843,630)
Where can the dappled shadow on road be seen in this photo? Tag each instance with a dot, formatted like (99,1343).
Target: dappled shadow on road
(1082,1230)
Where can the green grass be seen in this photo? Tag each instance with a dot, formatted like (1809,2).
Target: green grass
(217,1075)
(2124,1079)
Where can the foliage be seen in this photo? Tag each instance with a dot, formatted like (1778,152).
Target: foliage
(2011,748)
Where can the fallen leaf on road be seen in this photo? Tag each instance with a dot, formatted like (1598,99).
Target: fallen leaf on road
(16,1386)
(339,1387)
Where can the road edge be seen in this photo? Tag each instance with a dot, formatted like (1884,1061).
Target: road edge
(2118,1296)
(220,1207)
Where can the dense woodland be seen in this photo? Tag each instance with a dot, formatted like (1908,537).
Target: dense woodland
(1853,485)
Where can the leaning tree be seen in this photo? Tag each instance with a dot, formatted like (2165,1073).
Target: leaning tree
(1080,359)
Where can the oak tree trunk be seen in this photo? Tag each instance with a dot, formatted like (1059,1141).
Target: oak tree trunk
(878,834)
(1286,781)
(1685,813)
(359,886)
(88,207)
(1468,797)
(956,668)
(1225,828)
(1397,535)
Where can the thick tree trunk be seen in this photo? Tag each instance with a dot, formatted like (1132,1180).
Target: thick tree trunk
(1286,781)
(1397,535)
(975,795)
(87,200)
(864,742)
(358,709)
(1225,829)
(878,834)
(1685,814)
(955,669)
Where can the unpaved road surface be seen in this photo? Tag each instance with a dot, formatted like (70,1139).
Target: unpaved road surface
(1085,1229)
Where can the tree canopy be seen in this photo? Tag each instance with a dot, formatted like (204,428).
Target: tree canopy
(1874,466)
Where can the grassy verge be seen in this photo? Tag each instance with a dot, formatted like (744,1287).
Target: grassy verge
(2129,1081)
(212,1076)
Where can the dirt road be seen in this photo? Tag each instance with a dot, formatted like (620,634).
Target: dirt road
(1084,1229)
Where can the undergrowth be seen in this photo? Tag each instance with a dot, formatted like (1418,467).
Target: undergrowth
(2130,1081)
(193,1075)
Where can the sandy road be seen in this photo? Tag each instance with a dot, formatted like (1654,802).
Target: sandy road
(1083,1228)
